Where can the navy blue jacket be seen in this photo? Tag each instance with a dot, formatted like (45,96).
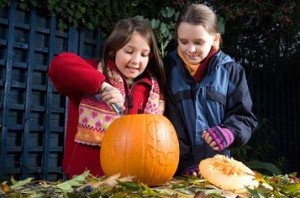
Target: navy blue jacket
(221,98)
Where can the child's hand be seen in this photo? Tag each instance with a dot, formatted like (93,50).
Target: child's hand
(218,138)
(112,95)
(191,171)
(209,140)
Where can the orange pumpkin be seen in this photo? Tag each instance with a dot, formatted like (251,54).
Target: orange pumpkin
(144,146)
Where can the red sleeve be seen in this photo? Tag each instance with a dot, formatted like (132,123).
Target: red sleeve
(72,75)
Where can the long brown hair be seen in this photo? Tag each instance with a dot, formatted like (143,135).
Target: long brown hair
(121,35)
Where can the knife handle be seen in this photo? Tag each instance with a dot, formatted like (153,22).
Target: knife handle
(117,109)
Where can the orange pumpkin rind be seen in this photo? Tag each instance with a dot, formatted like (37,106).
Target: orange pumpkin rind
(144,146)
(228,174)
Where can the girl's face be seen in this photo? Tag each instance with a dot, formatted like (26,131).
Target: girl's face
(195,42)
(132,58)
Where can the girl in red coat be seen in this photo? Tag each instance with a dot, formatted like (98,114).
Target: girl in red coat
(130,76)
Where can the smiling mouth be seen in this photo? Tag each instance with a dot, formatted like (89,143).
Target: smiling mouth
(132,68)
(192,57)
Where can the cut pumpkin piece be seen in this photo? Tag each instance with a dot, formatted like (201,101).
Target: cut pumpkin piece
(228,174)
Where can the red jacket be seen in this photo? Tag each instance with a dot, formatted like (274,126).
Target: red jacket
(73,76)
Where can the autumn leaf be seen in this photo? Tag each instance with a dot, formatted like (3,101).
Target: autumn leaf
(75,182)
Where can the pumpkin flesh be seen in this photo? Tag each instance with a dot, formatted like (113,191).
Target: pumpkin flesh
(228,174)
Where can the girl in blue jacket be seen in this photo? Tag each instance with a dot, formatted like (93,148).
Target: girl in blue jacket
(208,99)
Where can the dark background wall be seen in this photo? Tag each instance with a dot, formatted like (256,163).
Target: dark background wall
(276,103)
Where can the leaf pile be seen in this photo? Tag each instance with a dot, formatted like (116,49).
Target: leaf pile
(87,186)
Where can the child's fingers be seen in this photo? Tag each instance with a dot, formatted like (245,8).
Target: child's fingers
(214,146)
(207,138)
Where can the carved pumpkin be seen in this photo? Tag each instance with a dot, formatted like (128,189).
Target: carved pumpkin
(228,173)
(144,146)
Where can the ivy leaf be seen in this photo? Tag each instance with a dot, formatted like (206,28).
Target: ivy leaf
(155,23)
(82,9)
(90,26)
(167,12)
(78,14)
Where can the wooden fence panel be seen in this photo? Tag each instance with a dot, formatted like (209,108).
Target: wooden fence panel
(32,113)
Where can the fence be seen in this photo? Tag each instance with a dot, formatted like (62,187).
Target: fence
(32,113)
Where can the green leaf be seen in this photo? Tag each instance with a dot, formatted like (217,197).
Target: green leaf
(78,15)
(21,183)
(130,185)
(264,165)
(163,29)
(176,193)
(291,188)
(33,2)
(148,191)
(76,181)
(167,12)
(82,9)
(23,6)
(277,194)
(62,26)
(5,4)
(221,25)
(254,193)
(90,26)
(155,23)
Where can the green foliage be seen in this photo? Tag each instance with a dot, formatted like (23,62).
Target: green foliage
(164,27)
(85,185)
(94,14)
(261,150)
(260,33)
(32,188)
(91,14)
(264,166)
